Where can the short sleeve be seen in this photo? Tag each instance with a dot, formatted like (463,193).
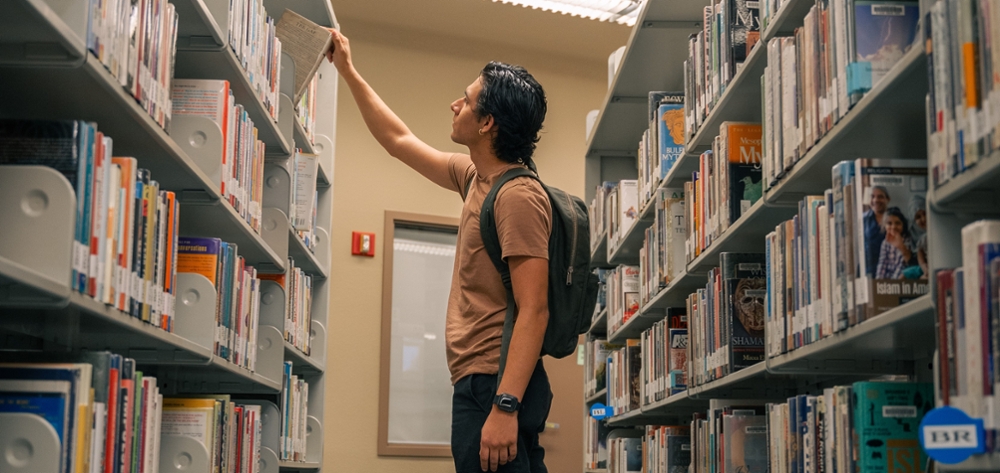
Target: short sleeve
(524,219)
(460,171)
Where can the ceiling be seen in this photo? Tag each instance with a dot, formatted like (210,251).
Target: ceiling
(487,21)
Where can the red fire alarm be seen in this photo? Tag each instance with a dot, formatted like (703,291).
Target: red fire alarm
(363,244)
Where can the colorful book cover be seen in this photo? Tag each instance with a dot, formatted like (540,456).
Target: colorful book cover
(677,358)
(199,255)
(744,30)
(890,223)
(887,416)
(884,31)
(743,144)
(670,131)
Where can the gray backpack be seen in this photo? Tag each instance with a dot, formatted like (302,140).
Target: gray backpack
(572,285)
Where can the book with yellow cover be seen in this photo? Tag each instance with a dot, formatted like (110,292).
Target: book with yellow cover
(199,255)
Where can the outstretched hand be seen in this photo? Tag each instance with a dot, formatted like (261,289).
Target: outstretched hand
(340,51)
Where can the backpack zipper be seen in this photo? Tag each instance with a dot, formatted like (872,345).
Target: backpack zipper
(572,257)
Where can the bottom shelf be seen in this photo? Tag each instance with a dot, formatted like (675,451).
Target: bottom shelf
(298,466)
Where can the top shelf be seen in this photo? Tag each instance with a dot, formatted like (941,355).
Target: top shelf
(655,50)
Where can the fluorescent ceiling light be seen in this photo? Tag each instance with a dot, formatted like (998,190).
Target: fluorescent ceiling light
(620,11)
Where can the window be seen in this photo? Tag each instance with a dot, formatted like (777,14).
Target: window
(415,385)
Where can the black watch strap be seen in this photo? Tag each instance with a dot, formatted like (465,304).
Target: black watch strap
(506,402)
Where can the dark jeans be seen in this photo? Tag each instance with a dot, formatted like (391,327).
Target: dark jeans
(471,405)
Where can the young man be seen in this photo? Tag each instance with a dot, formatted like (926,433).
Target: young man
(494,428)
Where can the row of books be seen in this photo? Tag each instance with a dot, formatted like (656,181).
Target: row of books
(294,412)
(137,41)
(666,449)
(305,110)
(814,77)
(662,143)
(624,382)
(598,218)
(730,30)
(242,159)
(661,258)
(623,296)
(625,453)
(237,308)
(963,65)
(105,413)
(126,228)
(298,305)
(725,186)
(968,323)
(663,348)
(229,429)
(726,318)
(252,37)
(595,444)
(850,254)
(867,427)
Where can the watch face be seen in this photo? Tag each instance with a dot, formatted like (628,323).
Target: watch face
(506,402)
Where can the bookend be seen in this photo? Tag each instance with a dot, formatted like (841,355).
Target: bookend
(270,352)
(314,440)
(274,230)
(201,139)
(278,184)
(37,208)
(27,444)
(268,462)
(324,149)
(317,342)
(272,304)
(182,454)
(196,301)
(56,36)
(322,248)
(286,99)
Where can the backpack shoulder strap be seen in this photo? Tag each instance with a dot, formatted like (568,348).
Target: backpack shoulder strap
(491,240)
(487,223)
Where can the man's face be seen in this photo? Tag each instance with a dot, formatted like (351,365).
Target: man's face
(465,125)
(880,201)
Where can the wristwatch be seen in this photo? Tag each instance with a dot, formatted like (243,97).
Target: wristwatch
(506,402)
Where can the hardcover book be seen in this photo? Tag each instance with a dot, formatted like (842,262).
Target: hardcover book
(745,443)
(883,32)
(670,131)
(887,417)
(743,186)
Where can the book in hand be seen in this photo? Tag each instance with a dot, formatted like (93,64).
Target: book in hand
(306,43)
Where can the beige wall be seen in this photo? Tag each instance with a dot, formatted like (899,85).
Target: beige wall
(418,75)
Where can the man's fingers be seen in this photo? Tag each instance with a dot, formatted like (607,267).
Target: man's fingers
(494,459)
(502,452)
(484,457)
(512,453)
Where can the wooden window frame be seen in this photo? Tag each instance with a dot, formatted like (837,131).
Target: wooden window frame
(385,448)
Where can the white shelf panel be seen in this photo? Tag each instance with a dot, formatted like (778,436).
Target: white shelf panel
(635,326)
(889,122)
(745,236)
(676,293)
(973,191)
(298,466)
(628,248)
(601,396)
(304,258)
(905,333)
(34,32)
(301,360)
(301,139)
(90,93)
(599,256)
(599,326)
(20,285)
(654,52)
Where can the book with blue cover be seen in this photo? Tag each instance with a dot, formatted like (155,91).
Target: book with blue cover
(884,31)
(670,130)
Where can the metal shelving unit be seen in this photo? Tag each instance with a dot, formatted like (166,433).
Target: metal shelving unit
(627,251)
(745,235)
(600,323)
(43,49)
(598,396)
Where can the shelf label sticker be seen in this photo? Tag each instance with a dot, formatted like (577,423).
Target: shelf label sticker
(599,411)
(950,436)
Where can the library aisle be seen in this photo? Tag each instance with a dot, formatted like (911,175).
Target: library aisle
(794,218)
(164,251)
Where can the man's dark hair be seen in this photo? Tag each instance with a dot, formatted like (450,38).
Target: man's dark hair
(517,103)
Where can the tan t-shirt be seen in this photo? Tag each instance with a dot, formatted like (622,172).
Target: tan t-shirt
(477,304)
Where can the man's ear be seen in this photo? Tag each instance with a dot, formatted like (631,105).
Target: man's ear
(487,125)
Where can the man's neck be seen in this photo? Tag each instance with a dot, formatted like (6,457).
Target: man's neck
(486,161)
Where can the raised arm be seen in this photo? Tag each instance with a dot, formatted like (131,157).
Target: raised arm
(385,125)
